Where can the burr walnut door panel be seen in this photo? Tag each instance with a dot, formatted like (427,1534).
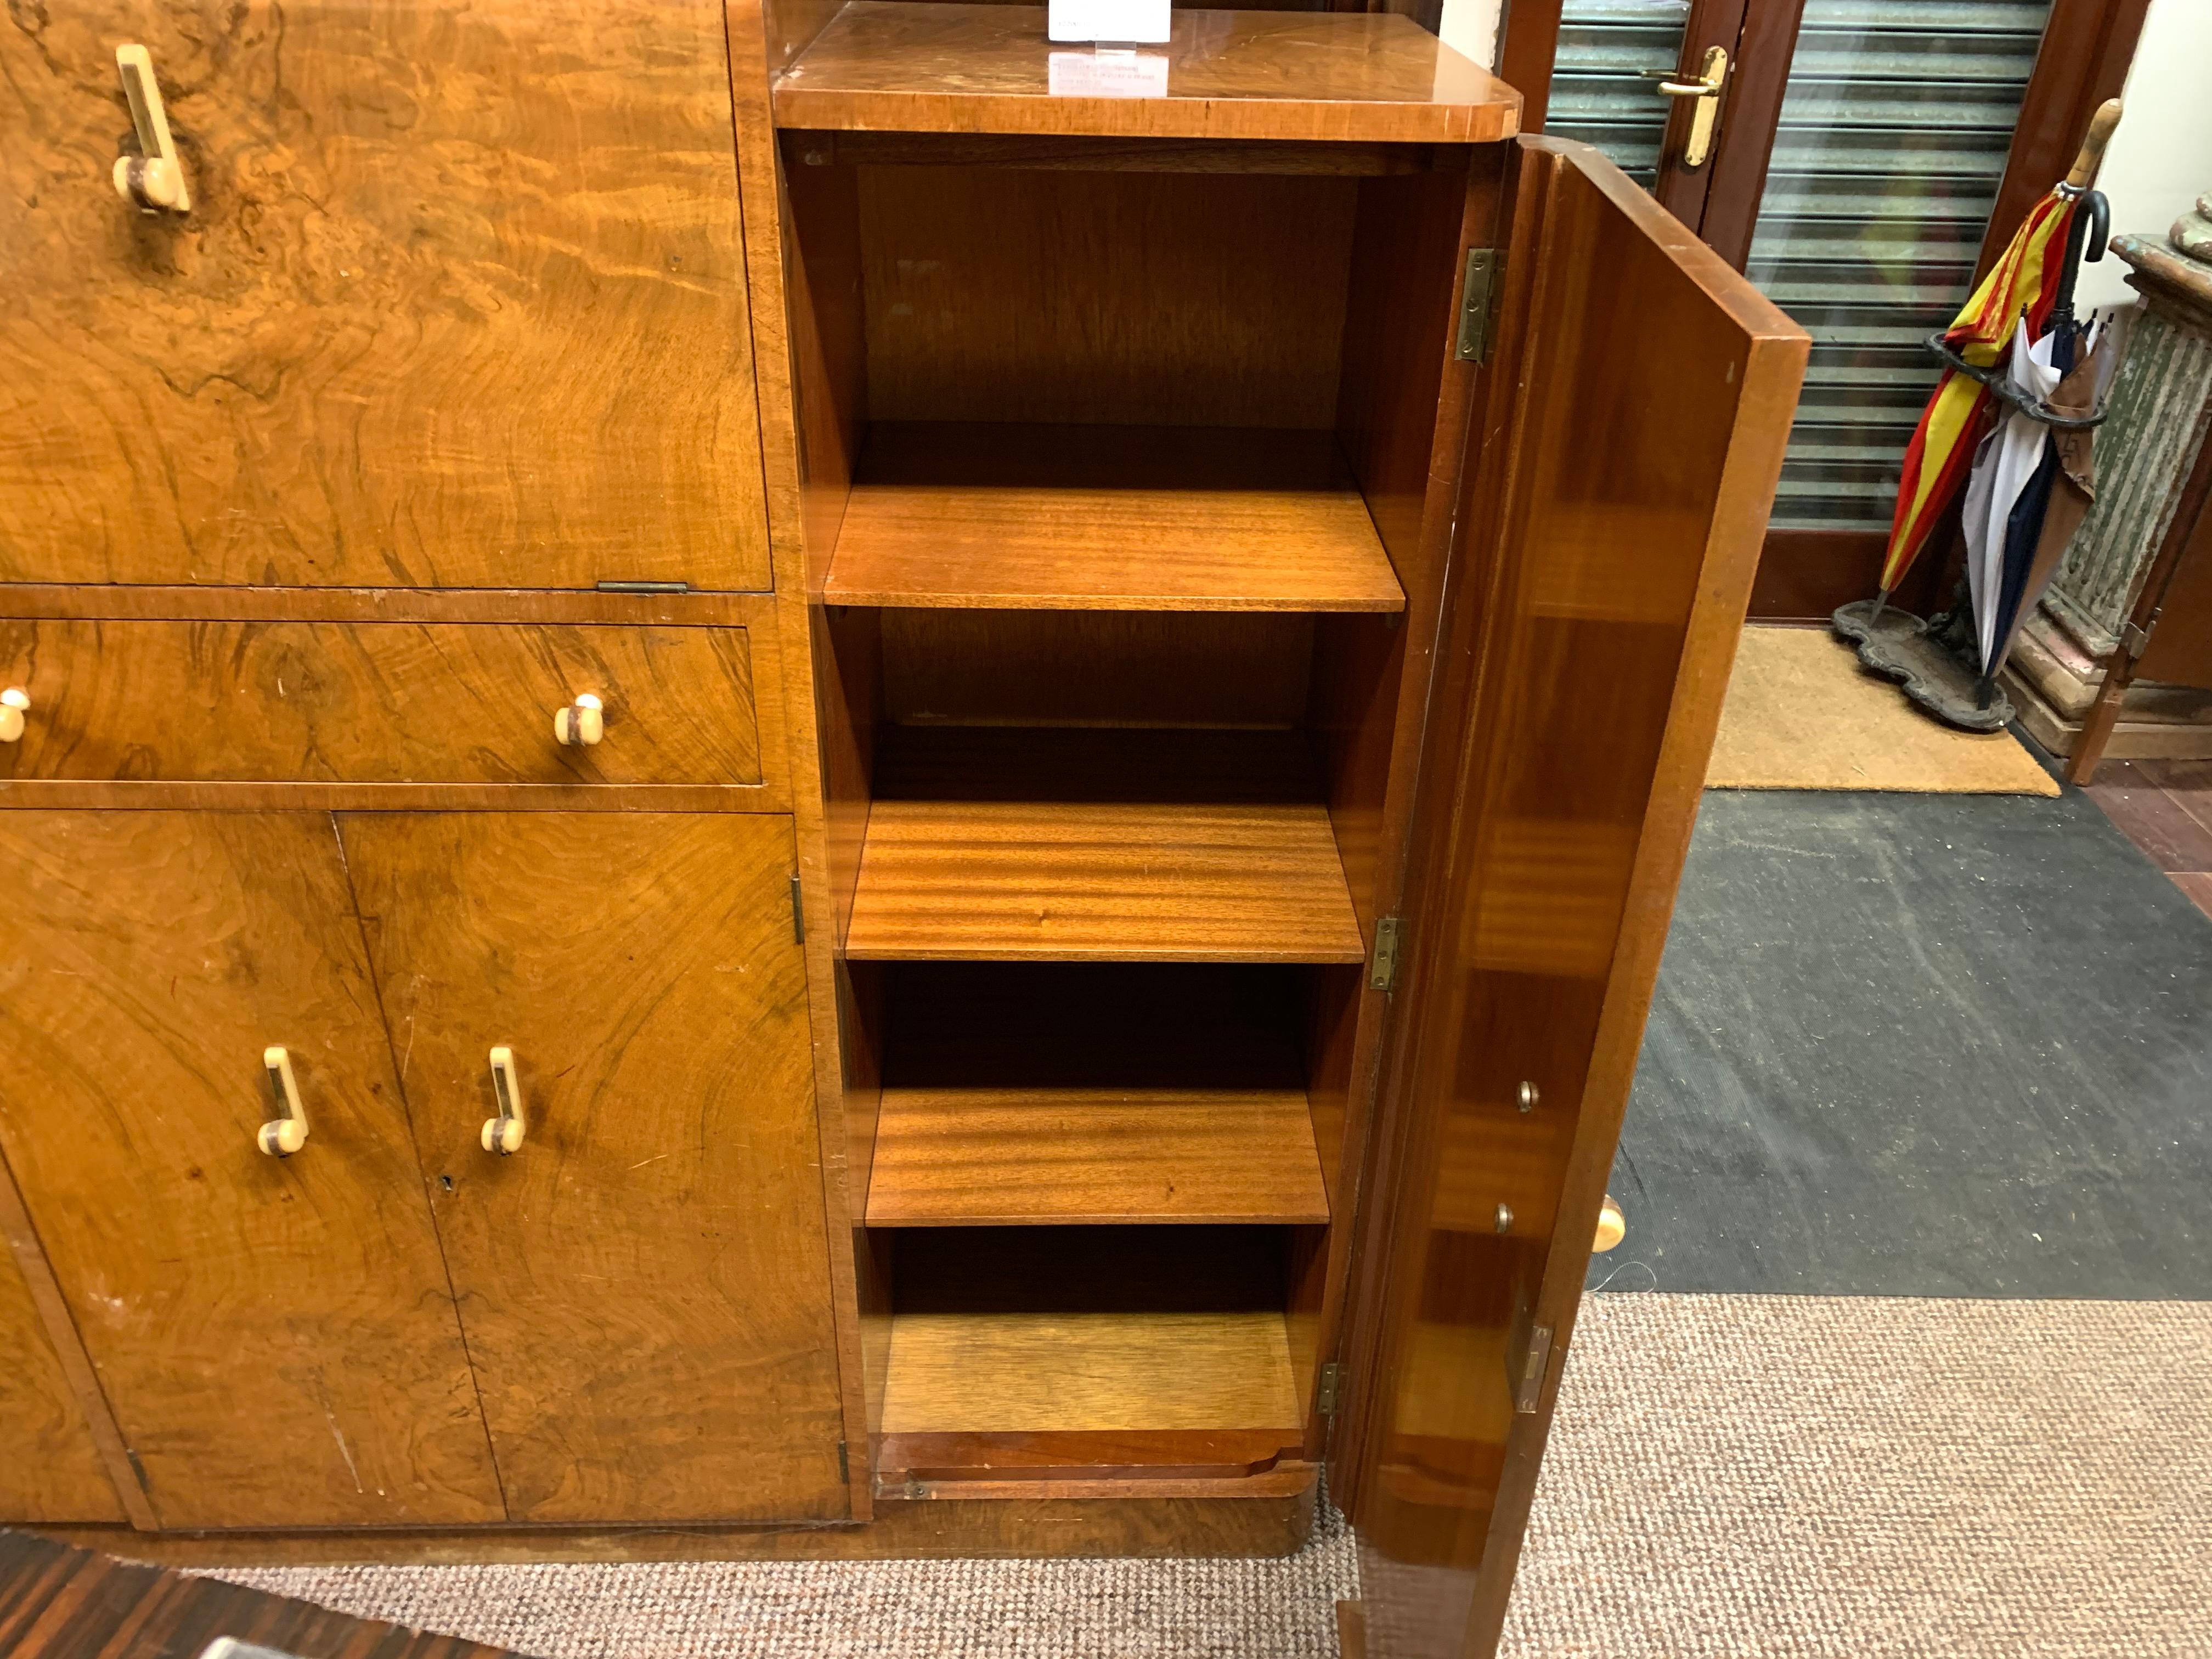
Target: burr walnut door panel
(277,1336)
(459,300)
(644,1281)
(50,1470)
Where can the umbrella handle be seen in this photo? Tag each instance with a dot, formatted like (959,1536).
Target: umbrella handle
(2092,147)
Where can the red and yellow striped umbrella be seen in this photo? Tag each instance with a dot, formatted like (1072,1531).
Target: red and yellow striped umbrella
(2024,280)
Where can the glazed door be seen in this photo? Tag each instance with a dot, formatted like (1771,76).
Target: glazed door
(1632,430)
(458,301)
(644,1279)
(276,1336)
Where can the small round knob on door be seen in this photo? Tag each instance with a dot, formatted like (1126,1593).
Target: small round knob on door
(13,703)
(1612,1227)
(582,721)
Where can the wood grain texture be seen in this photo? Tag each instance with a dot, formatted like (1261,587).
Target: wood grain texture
(998,1372)
(1099,298)
(1084,154)
(890,66)
(644,1285)
(60,1602)
(415,330)
(1005,844)
(1014,1095)
(78,1376)
(1568,753)
(1157,668)
(1231,1519)
(276,1337)
(1063,1454)
(385,703)
(52,1469)
(1107,518)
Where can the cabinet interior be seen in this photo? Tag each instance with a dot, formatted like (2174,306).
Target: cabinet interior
(1118,469)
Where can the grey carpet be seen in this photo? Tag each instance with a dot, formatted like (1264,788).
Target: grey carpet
(1930,1045)
(1754,1477)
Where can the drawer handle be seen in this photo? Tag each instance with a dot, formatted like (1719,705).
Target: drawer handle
(13,703)
(581,721)
(286,1131)
(153,180)
(503,1134)
(1612,1227)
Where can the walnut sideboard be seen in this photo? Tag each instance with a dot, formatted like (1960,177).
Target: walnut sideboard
(816,781)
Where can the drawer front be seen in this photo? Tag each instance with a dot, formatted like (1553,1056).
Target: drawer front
(377,703)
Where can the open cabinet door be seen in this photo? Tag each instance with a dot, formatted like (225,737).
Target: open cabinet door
(1639,397)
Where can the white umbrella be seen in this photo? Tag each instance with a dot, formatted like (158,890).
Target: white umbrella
(2004,464)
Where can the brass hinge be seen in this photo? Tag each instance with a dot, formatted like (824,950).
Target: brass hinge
(2133,640)
(1330,1389)
(644,587)
(1475,305)
(798,914)
(1383,973)
(1526,1361)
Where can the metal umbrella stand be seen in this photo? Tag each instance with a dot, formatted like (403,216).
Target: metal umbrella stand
(1989,431)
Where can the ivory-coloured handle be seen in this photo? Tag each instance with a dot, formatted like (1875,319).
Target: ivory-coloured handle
(1612,1227)
(286,1132)
(582,721)
(14,701)
(503,1134)
(2091,155)
(155,178)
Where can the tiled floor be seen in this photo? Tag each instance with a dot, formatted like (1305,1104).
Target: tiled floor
(2164,807)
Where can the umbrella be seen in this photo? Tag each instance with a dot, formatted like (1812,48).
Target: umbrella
(2021,287)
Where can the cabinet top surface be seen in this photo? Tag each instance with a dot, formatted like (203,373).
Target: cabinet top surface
(900,66)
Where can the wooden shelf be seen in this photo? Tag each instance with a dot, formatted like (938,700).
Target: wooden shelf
(1107,518)
(1013,1095)
(1004,1372)
(1070,845)
(884,66)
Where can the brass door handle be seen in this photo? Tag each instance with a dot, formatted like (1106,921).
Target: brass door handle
(503,1134)
(153,180)
(15,702)
(1712,75)
(286,1132)
(582,721)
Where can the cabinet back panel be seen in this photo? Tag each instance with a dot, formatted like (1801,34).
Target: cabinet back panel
(276,1336)
(645,1284)
(1095,668)
(417,327)
(1112,298)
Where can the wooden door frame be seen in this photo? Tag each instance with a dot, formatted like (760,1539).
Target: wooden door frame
(2088,46)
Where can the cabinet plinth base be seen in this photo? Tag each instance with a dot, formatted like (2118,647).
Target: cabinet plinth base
(1271,1521)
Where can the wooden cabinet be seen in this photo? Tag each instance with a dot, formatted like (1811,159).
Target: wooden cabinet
(1111,988)
(274,1336)
(459,302)
(642,1285)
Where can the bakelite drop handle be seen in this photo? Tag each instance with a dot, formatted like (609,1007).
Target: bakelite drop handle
(286,1132)
(14,702)
(503,1134)
(1612,1227)
(153,180)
